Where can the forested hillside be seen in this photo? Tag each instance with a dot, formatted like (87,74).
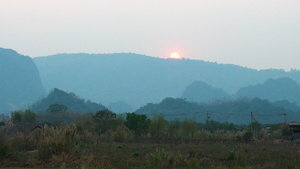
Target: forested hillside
(69,100)
(232,111)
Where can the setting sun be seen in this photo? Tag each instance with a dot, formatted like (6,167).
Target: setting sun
(175,55)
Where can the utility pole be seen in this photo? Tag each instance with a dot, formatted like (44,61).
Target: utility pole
(207,119)
(251,122)
(285,121)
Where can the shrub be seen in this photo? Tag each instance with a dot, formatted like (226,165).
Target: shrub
(123,134)
(29,116)
(16,116)
(247,136)
(135,154)
(55,141)
(3,150)
(137,122)
(231,155)
(188,127)
(157,127)
(104,120)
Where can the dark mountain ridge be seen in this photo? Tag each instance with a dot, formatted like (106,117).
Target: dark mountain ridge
(70,100)
(236,111)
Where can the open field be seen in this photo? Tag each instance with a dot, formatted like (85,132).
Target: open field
(104,140)
(199,153)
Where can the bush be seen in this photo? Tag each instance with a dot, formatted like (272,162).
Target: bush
(231,155)
(189,128)
(3,150)
(104,120)
(247,136)
(157,127)
(123,134)
(138,123)
(55,141)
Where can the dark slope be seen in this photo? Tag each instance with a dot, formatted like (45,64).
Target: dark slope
(235,111)
(172,108)
(139,79)
(70,100)
(273,90)
(201,92)
(20,82)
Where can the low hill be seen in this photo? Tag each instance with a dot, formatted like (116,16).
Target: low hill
(172,108)
(70,100)
(235,111)
(201,92)
(20,82)
(273,90)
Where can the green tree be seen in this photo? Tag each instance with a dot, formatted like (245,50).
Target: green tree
(16,116)
(137,122)
(188,127)
(104,120)
(157,126)
(173,128)
(29,116)
(54,108)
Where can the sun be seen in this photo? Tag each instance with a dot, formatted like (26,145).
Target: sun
(175,55)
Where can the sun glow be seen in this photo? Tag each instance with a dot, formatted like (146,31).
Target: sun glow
(175,55)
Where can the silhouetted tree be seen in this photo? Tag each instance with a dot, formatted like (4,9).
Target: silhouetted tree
(137,122)
(29,116)
(16,116)
(104,120)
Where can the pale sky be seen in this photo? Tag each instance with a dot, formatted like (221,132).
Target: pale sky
(257,34)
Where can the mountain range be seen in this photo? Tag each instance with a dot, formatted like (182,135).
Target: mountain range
(138,79)
(126,81)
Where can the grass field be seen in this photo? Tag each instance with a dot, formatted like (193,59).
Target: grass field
(200,153)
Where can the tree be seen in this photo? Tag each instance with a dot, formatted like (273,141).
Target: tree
(104,120)
(16,116)
(29,116)
(54,108)
(137,122)
(157,127)
(189,127)
(26,116)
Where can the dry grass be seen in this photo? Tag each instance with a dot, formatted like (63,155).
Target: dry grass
(64,147)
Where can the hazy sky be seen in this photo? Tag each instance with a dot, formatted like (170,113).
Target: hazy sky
(254,33)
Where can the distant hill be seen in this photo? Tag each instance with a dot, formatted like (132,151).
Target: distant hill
(139,79)
(70,100)
(20,82)
(172,108)
(241,109)
(201,92)
(235,111)
(273,90)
